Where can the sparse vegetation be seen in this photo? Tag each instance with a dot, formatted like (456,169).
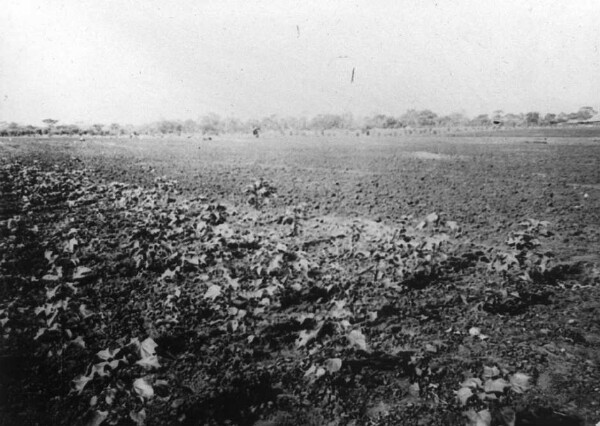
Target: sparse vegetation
(412,121)
(380,286)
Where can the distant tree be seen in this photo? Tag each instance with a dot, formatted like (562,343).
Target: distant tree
(375,122)
(498,117)
(291,123)
(129,129)
(50,123)
(303,123)
(456,119)
(586,112)
(532,118)
(97,129)
(481,120)
(328,121)
(190,126)
(514,120)
(414,118)
(32,130)
(272,123)
(379,121)
(234,125)
(392,123)
(210,123)
(14,129)
(169,127)
(67,129)
(562,117)
(549,119)
(347,120)
(410,118)
(115,129)
(426,118)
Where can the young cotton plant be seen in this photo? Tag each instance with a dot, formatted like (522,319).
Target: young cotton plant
(524,259)
(492,388)
(259,193)
(293,216)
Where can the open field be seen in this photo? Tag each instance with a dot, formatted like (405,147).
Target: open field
(483,183)
(413,280)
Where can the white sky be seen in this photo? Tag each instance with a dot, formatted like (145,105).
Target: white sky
(136,61)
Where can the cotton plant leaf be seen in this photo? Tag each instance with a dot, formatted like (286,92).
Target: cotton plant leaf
(357,339)
(143,388)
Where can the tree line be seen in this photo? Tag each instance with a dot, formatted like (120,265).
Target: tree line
(213,124)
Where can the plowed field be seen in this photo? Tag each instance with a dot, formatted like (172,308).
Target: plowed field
(300,280)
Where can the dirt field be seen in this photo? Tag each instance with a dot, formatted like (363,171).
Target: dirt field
(424,280)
